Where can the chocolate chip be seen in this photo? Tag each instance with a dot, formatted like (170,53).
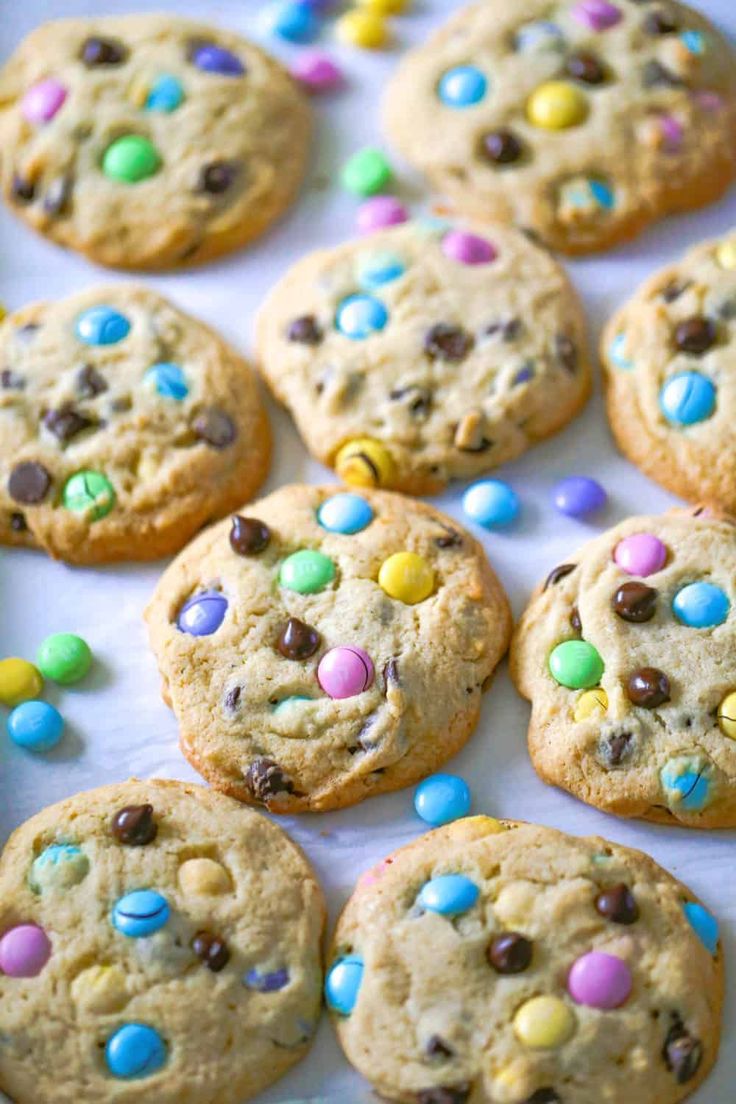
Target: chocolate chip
(57,195)
(391,673)
(18,523)
(682,1053)
(544,1096)
(450,539)
(501,147)
(11,381)
(655,74)
(635,602)
(305,330)
(265,779)
(27,331)
(566,352)
(660,23)
(558,573)
(508,330)
(727,309)
(121,405)
(575,622)
(696,335)
(22,189)
(437,1048)
(90,382)
(421,400)
(447,342)
(509,953)
(586,68)
(298,640)
(212,950)
(29,482)
(447,1094)
(616,748)
(134,825)
(232,698)
(618,904)
(217,177)
(248,536)
(215,428)
(102,51)
(66,422)
(648,687)
(674,289)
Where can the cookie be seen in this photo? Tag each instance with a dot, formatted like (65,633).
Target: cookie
(582,122)
(157,941)
(669,356)
(425,352)
(626,654)
(125,425)
(148,141)
(324,646)
(509,963)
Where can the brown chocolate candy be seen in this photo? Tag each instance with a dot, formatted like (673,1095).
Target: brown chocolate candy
(586,68)
(635,602)
(102,51)
(305,330)
(696,335)
(298,640)
(249,536)
(558,573)
(648,687)
(501,147)
(618,904)
(215,428)
(29,482)
(135,825)
(217,177)
(510,953)
(682,1052)
(265,779)
(212,950)
(447,342)
(66,422)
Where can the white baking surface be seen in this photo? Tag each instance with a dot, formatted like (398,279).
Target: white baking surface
(117,723)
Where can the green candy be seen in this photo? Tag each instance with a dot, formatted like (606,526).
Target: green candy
(576,665)
(130,159)
(306,572)
(64,658)
(89,493)
(366,173)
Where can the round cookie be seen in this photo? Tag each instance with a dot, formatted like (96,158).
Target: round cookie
(425,352)
(159,942)
(502,963)
(626,654)
(670,370)
(582,122)
(125,425)
(148,141)
(327,646)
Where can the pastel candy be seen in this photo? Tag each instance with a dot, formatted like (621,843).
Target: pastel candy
(100,989)
(342,985)
(43,100)
(19,681)
(130,159)
(468,249)
(704,924)
(24,951)
(407,577)
(576,664)
(293,21)
(448,895)
(687,398)
(600,980)
(35,726)
(89,494)
(701,605)
(380,211)
(345,513)
(544,1023)
(216,59)
(169,380)
(442,798)
(686,784)
(541,34)
(360,316)
(101,325)
(462,86)
(59,867)
(617,353)
(306,571)
(365,462)
(557,105)
(727,715)
(203,613)
(166,94)
(491,503)
(139,913)
(377,269)
(345,672)
(640,554)
(317,71)
(268,981)
(578,496)
(596,15)
(135,1050)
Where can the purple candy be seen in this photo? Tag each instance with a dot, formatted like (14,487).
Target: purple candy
(380,211)
(524,375)
(317,71)
(24,951)
(578,496)
(43,100)
(596,15)
(599,980)
(267,983)
(203,613)
(468,249)
(215,59)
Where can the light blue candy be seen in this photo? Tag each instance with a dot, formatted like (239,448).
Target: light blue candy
(602,193)
(359,316)
(142,912)
(343,982)
(378,269)
(448,894)
(345,513)
(701,605)
(293,21)
(169,380)
(687,398)
(101,326)
(286,703)
(442,798)
(491,503)
(462,86)
(135,1050)
(691,787)
(59,866)
(704,924)
(166,94)
(35,726)
(693,41)
(617,354)
(539,35)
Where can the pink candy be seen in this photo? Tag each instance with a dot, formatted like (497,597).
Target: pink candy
(640,554)
(317,71)
(599,980)
(345,672)
(380,211)
(468,249)
(24,951)
(43,100)
(596,15)
(673,132)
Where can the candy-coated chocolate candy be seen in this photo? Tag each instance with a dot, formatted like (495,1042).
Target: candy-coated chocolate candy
(578,496)
(64,658)
(640,554)
(491,503)
(462,86)
(599,980)
(366,173)
(293,21)
(203,613)
(501,146)
(380,211)
(100,990)
(377,269)
(203,878)
(407,577)
(365,29)
(345,671)
(342,985)
(316,71)
(269,982)
(701,605)
(140,913)
(726,254)
(306,571)
(42,101)
(215,59)
(365,462)
(635,602)
(557,105)
(448,895)
(596,15)
(384,7)
(135,1050)
(510,953)
(286,703)
(59,867)
(19,681)
(694,42)
(212,950)
(35,726)
(468,249)
(544,1023)
(687,398)
(648,687)
(576,664)
(101,326)
(617,353)
(89,493)
(727,715)
(134,825)
(131,158)
(541,34)
(359,316)
(591,703)
(686,783)
(442,798)
(345,513)
(618,905)
(165,94)
(169,380)
(704,924)
(24,951)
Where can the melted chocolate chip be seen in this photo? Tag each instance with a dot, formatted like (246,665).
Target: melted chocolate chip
(215,428)
(674,289)
(449,539)
(635,602)
(508,330)
(618,904)
(682,1052)
(66,422)
(27,331)
(265,779)
(249,536)
(22,189)
(134,825)
(586,68)
(217,177)
(558,573)
(437,1048)
(501,147)
(566,352)
(446,342)
(421,403)
(447,1094)
(18,523)
(90,382)
(29,482)
(575,622)
(616,748)
(391,673)
(657,75)
(57,196)
(232,698)
(509,953)
(660,23)
(696,335)
(212,950)
(102,51)
(544,1096)
(11,381)
(305,330)
(648,687)
(298,640)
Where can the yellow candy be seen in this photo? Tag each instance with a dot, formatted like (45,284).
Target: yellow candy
(100,989)
(727,715)
(592,703)
(203,877)
(726,254)
(365,28)
(557,105)
(19,681)
(511,1084)
(544,1023)
(384,7)
(474,827)
(407,577)
(365,463)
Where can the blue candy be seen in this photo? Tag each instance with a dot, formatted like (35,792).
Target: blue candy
(542,34)
(343,982)
(142,912)
(135,1050)
(294,21)
(617,354)
(602,193)
(266,983)
(491,503)
(169,380)
(462,86)
(378,269)
(578,496)
(685,785)
(687,398)
(203,613)
(58,866)
(35,726)
(101,326)
(359,316)
(215,59)
(442,798)
(693,41)
(704,924)
(701,605)
(345,513)
(166,94)
(448,894)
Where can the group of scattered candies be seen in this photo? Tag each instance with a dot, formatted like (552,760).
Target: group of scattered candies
(364,24)
(33,724)
(494,504)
